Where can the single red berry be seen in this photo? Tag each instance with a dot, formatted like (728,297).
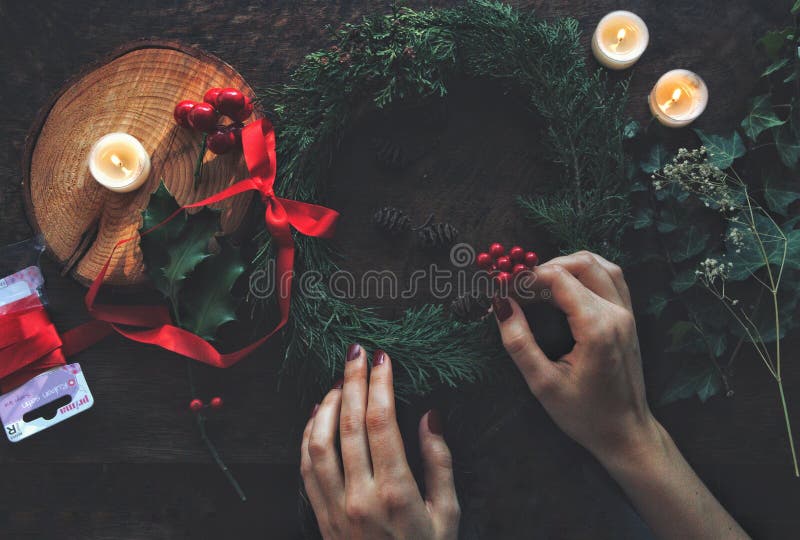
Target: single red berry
(519,268)
(203,117)
(517,254)
(230,101)
(216,402)
(503,278)
(497,250)
(211,96)
(221,141)
(484,260)
(196,405)
(244,113)
(504,263)
(236,129)
(531,259)
(181,112)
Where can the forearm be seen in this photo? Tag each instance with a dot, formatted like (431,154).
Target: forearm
(665,490)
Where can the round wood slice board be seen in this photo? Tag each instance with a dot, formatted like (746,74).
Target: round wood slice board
(134,90)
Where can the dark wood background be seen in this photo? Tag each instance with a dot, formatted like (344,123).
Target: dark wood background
(133,467)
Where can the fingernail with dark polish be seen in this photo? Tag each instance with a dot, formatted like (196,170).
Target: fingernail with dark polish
(378,358)
(353,351)
(435,422)
(502,308)
(338,384)
(314,410)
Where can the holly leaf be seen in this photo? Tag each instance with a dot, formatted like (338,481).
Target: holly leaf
(690,242)
(155,244)
(702,381)
(684,280)
(760,117)
(656,304)
(207,302)
(643,218)
(189,249)
(655,160)
(722,150)
(787,145)
(779,197)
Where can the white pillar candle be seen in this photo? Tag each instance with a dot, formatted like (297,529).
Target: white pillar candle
(678,98)
(620,39)
(119,162)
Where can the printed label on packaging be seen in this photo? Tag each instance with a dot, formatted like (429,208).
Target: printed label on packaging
(20,284)
(47,399)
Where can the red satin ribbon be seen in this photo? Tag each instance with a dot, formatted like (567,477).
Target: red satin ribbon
(29,343)
(153,325)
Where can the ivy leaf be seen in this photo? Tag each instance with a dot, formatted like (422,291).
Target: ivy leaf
(760,117)
(643,218)
(690,242)
(702,381)
(207,302)
(779,198)
(796,7)
(775,66)
(684,280)
(656,304)
(631,129)
(773,42)
(722,150)
(787,145)
(656,159)
(747,257)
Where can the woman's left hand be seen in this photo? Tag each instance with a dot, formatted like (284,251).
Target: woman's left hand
(369,492)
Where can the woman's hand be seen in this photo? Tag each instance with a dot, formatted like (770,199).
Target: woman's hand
(595,393)
(368,491)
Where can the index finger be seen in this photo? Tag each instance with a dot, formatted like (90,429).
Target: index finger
(569,295)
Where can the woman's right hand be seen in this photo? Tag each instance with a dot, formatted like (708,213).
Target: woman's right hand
(595,393)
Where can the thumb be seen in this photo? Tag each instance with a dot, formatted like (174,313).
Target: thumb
(537,369)
(440,495)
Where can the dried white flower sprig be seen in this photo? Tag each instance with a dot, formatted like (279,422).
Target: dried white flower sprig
(751,230)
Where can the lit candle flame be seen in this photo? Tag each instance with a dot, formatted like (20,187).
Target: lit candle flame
(119,163)
(676,95)
(620,38)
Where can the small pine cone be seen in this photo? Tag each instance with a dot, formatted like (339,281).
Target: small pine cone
(470,306)
(437,235)
(391,220)
(389,153)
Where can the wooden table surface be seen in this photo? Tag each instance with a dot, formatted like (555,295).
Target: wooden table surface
(134,467)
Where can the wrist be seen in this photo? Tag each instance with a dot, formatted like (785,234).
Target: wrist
(640,448)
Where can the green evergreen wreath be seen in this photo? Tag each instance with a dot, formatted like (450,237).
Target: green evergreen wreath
(410,55)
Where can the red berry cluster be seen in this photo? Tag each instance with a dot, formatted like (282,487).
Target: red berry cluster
(204,116)
(196,405)
(504,266)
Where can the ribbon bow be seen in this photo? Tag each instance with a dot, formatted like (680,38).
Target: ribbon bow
(153,324)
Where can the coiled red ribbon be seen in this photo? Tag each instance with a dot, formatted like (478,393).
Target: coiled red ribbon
(153,324)
(29,343)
